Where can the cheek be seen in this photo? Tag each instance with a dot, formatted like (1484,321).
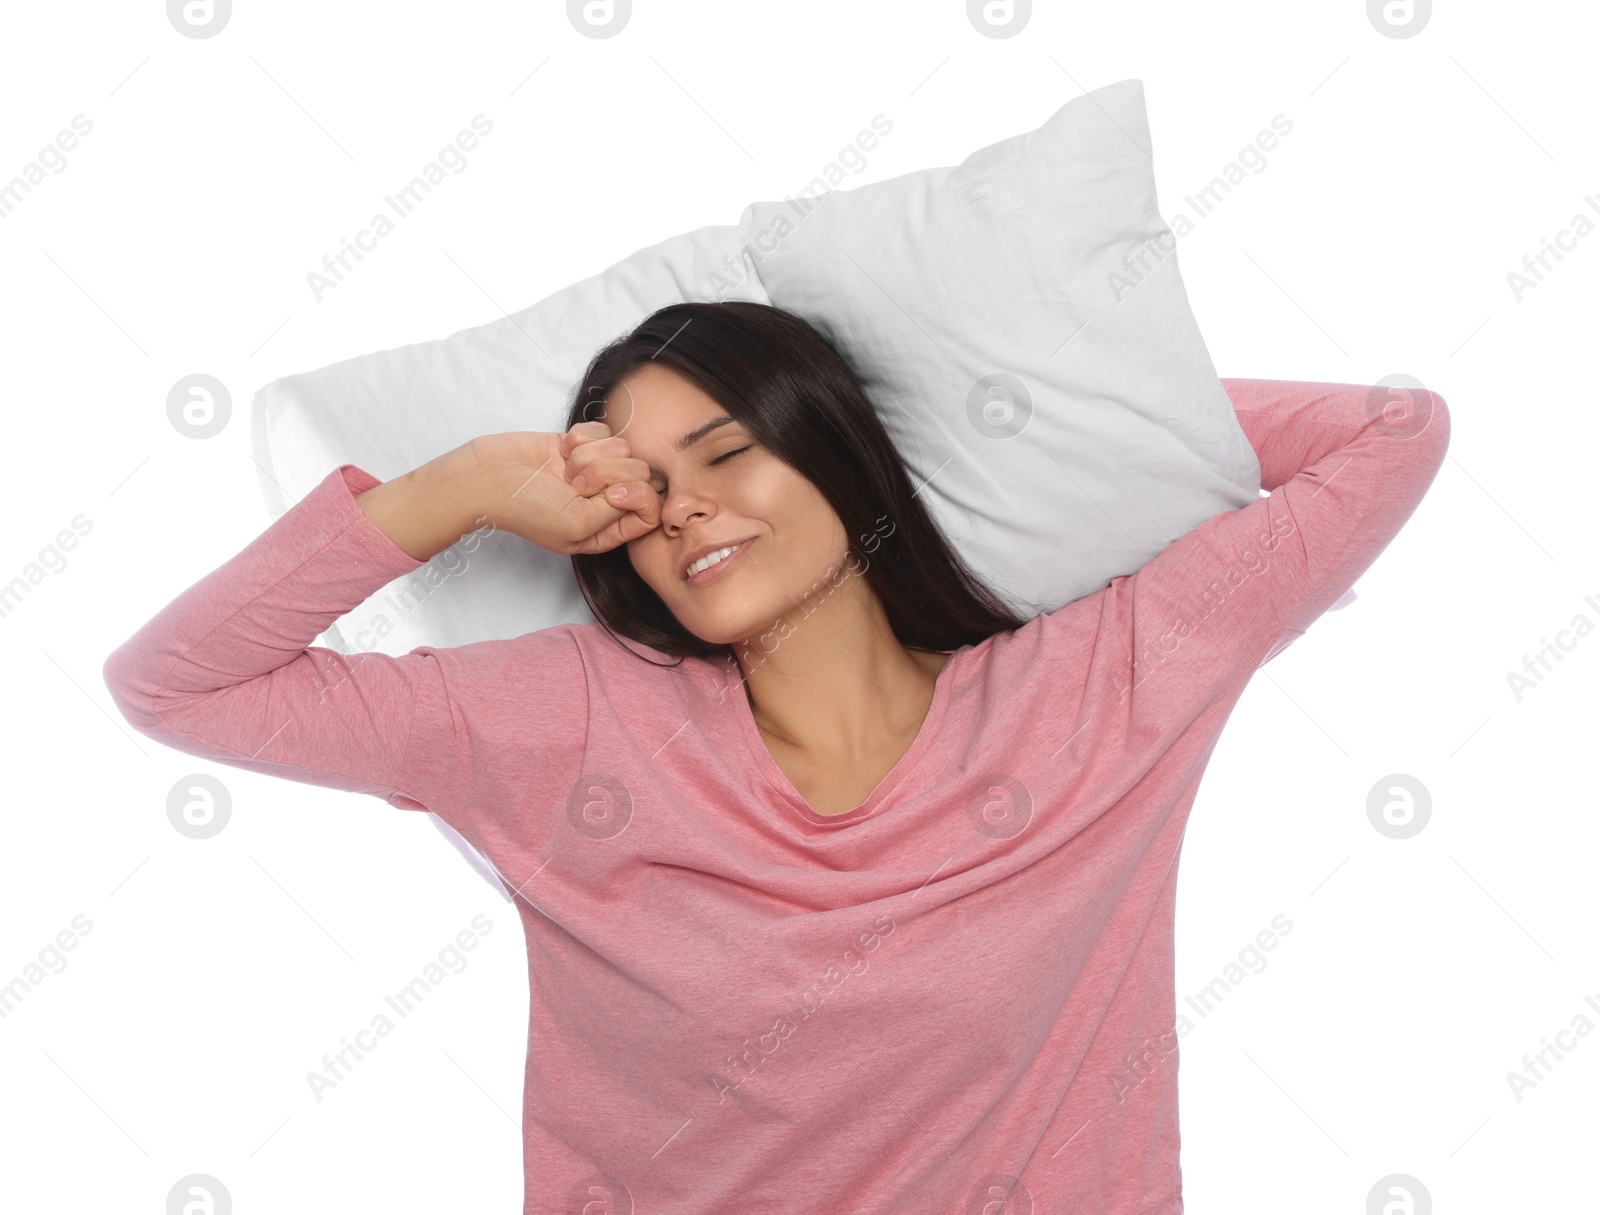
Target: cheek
(786,500)
(809,532)
(652,560)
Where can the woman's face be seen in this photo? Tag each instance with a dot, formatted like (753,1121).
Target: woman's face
(720,488)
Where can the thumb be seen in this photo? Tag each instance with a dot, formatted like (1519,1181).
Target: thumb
(626,511)
(642,504)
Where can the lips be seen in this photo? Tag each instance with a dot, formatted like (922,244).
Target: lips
(714,571)
(705,550)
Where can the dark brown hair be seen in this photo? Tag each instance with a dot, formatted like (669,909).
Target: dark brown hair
(787,384)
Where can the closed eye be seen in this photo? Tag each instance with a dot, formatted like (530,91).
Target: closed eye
(724,456)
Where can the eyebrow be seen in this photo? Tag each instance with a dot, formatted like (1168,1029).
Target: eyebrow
(700,432)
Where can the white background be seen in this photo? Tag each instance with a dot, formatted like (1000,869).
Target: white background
(1377,241)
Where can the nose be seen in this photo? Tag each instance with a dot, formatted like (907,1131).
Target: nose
(682,506)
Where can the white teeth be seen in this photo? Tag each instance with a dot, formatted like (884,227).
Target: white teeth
(709,560)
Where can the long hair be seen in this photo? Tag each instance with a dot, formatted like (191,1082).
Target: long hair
(786,383)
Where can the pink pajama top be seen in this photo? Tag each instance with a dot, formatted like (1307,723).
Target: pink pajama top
(956,998)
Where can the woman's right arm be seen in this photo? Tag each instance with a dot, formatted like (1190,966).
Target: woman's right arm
(226,670)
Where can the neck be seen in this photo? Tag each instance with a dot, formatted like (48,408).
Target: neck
(837,684)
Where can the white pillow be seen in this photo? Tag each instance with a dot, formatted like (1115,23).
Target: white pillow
(1021,326)
(1018,321)
(393,410)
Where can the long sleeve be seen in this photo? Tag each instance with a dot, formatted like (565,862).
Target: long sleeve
(226,672)
(1346,466)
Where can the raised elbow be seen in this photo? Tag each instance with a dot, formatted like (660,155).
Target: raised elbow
(137,696)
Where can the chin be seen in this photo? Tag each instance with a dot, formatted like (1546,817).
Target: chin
(719,630)
(736,622)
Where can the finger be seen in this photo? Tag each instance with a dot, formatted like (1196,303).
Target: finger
(598,449)
(643,505)
(614,535)
(604,471)
(640,513)
(630,527)
(581,432)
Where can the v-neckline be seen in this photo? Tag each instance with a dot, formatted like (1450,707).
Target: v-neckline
(784,789)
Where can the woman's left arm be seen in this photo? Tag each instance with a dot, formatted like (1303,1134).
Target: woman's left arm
(1346,465)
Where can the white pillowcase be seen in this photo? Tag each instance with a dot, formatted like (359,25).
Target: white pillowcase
(1018,320)
(1020,324)
(393,410)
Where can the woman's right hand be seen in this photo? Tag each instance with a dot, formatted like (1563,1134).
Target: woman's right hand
(578,491)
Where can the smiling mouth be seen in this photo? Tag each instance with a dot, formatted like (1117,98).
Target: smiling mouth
(700,573)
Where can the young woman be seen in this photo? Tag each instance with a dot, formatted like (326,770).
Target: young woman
(844,888)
